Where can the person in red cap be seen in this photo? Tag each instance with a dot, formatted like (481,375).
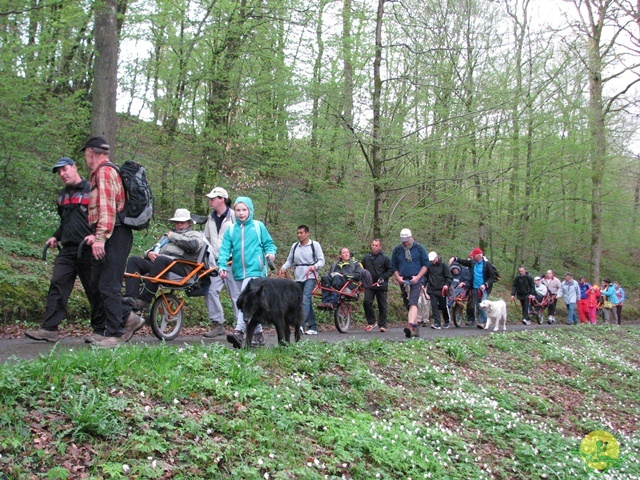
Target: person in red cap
(482,279)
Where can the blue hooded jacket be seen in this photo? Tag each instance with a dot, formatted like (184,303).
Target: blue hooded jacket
(246,246)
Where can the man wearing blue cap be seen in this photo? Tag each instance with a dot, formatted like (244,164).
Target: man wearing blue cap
(73,201)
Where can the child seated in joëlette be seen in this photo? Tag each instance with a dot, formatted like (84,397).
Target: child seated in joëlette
(343,271)
(460,284)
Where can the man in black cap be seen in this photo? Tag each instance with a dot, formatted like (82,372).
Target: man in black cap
(73,202)
(110,246)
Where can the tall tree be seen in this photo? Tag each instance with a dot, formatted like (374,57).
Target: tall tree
(105,84)
(600,25)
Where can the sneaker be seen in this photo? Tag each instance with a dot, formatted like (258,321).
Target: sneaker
(525,321)
(108,342)
(446,325)
(131,326)
(236,339)
(470,324)
(218,330)
(481,325)
(436,327)
(382,329)
(258,340)
(311,332)
(42,335)
(368,328)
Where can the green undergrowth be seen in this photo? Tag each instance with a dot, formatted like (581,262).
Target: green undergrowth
(503,406)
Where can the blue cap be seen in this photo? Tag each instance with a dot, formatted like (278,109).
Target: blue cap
(61,163)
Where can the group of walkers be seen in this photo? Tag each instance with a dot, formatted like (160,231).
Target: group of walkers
(90,217)
(583,300)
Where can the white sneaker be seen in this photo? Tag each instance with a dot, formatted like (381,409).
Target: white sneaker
(311,332)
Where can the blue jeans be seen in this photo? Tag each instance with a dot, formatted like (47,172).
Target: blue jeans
(482,315)
(307,305)
(571,314)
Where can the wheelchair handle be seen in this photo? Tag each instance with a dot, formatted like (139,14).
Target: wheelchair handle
(81,246)
(272,266)
(44,251)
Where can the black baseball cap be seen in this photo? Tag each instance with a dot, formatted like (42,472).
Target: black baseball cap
(61,163)
(95,142)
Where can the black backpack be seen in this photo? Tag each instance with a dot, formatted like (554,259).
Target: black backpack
(493,272)
(138,208)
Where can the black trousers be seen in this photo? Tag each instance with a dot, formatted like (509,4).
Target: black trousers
(148,268)
(524,303)
(106,279)
(369,312)
(66,268)
(439,304)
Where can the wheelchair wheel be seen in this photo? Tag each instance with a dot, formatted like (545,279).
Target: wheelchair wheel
(539,313)
(166,325)
(458,314)
(342,317)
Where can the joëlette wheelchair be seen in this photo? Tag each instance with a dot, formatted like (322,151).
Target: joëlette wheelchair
(166,314)
(348,294)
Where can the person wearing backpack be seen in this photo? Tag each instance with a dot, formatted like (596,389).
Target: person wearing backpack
(249,244)
(220,219)
(110,246)
(73,200)
(305,257)
(483,276)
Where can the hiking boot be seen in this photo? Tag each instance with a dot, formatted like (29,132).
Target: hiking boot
(108,342)
(436,327)
(368,328)
(218,330)
(236,339)
(131,326)
(137,303)
(93,337)
(42,335)
(258,340)
(411,331)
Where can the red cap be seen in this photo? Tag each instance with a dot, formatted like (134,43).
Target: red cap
(475,251)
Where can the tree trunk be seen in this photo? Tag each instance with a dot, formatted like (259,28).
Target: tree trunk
(105,82)
(376,163)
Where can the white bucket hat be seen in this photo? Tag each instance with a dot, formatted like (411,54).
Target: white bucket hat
(181,215)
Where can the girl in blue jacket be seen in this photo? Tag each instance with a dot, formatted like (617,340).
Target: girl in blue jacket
(249,244)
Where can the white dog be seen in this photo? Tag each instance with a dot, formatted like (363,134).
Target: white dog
(496,311)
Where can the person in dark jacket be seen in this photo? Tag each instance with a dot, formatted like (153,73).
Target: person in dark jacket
(379,266)
(523,286)
(74,226)
(438,282)
(481,283)
(345,270)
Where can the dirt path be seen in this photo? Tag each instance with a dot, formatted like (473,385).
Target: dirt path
(21,347)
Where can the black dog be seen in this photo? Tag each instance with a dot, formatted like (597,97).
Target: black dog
(272,300)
